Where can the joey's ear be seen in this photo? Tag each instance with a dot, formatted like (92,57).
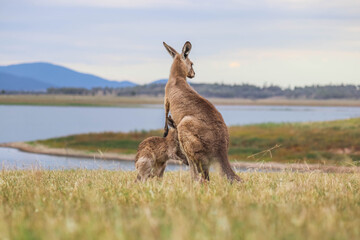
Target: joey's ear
(186,50)
(171,122)
(170,50)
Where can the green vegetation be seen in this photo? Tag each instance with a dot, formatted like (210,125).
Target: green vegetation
(336,142)
(85,204)
(125,143)
(227,91)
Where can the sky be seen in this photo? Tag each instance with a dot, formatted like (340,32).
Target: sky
(262,42)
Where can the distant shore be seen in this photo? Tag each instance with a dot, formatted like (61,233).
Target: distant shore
(261,166)
(138,101)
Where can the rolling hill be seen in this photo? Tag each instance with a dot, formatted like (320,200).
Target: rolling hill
(160,81)
(51,76)
(9,82)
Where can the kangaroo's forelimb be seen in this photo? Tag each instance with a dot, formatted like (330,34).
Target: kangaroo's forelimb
(167,109)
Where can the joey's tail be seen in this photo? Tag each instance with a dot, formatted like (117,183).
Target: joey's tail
(227,169)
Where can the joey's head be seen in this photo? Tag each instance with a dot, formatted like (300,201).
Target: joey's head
(186,64)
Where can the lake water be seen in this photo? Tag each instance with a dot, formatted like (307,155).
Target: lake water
(14,159)
(25,123)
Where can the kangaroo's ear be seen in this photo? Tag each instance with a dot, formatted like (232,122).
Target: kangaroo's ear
(170,50)
(186,50)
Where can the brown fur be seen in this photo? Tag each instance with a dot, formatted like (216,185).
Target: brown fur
(202,132)
(154,152)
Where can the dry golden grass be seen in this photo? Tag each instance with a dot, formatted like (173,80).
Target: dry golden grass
(84,204)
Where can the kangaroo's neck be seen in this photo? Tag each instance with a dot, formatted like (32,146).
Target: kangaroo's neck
(178,69)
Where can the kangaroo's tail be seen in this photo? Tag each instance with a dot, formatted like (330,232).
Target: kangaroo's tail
(226,168)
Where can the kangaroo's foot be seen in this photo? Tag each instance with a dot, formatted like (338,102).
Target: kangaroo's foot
(235,178)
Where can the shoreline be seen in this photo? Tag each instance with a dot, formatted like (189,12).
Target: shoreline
(268,166)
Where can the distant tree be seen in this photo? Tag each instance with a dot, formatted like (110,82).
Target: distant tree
(227,91)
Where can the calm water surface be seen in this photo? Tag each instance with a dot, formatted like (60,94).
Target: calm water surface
(25,123)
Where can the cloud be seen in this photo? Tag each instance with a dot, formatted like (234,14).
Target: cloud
(350,6)
(284,67)
(278,41)
(234,64)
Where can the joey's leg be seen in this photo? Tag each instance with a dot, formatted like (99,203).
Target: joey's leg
(161,173)
(179,156)
(180,159)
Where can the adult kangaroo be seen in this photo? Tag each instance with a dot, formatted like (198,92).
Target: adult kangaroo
(202,132)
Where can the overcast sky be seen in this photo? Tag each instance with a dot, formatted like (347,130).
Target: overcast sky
(282,42)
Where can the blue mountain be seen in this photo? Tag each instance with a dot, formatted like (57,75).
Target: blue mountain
(9,82)
(160,81)
(58,76)
(163,82)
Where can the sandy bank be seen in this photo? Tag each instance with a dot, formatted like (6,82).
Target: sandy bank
(269,166)
(42,149)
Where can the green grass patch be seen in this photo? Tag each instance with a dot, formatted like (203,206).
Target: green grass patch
(335,142)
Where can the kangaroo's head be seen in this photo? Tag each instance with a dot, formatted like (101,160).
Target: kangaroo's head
(183,58)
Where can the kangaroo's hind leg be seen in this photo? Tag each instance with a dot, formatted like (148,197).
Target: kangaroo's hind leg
(203,168)
(192,147)
(200,166)
(193,169)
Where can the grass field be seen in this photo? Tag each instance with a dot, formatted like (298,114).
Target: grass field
(84,204)
(336,142)
(76,100)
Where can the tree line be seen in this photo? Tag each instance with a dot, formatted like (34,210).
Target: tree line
(225,91)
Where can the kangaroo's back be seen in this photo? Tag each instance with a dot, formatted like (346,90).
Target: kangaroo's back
(151,147)
(185,101)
